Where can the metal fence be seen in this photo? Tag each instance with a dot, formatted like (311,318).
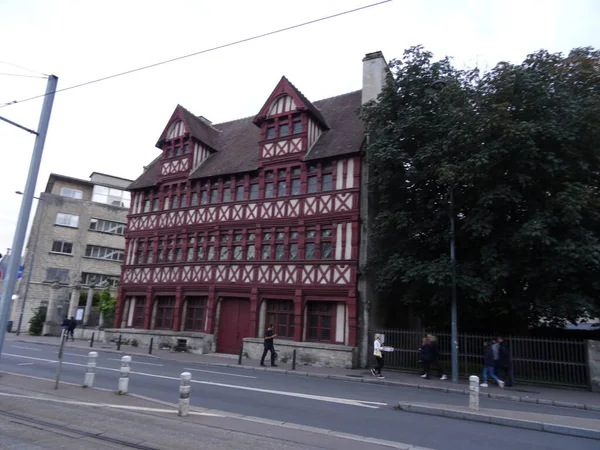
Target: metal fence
(559,362)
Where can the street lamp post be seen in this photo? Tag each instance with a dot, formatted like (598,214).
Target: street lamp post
(31,264)
(439,85)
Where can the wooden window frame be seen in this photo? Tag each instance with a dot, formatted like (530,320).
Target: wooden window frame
(320,314)
(191,320)
(275,310)
(164,312)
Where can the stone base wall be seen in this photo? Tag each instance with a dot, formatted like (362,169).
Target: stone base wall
(593,360)
(307,353)
(198,343)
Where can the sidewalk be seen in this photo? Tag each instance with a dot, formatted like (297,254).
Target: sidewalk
(35,416)
(520,393)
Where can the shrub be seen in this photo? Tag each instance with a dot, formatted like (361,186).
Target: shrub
(36,323)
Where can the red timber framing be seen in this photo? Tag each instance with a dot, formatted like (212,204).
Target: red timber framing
(206,240)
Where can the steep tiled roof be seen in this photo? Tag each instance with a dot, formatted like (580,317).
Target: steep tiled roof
(199,129)
(237,147)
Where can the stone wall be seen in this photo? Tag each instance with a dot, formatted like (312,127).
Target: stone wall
(593,360)
(198,343)
(307,353)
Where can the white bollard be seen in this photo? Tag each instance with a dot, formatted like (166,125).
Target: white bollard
(124,379)
(90,370)
(184,394)
(474,392)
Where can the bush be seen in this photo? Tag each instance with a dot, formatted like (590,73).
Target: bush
(36,323)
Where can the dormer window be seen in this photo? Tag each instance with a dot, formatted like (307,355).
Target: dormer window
(283,126)
(297,126)
(176,129)
(270,132)
(284,129)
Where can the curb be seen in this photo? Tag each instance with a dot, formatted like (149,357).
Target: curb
(289,425)
(502,421)
(512,398)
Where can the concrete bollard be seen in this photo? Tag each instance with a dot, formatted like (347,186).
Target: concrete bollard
(474,392)
(184,394)
(124,379)
(90,370)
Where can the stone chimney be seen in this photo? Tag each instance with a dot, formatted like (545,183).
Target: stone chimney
(374,72)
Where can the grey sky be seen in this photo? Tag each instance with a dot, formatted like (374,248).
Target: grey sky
(112,126)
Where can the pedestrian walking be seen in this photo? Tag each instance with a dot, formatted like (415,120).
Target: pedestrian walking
(502,360)
(65,325)
(71,328)
(269,346)
(488,365)
(377,346)
(435,363)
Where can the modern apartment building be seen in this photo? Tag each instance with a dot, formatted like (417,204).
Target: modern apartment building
(76,239)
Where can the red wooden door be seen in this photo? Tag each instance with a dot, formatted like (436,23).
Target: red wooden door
(234,324)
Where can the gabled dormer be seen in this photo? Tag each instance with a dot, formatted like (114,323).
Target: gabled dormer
(186,142)
(289,123)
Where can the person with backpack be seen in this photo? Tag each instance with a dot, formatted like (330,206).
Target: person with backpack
(71,328)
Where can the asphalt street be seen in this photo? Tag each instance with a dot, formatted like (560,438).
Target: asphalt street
(357,408)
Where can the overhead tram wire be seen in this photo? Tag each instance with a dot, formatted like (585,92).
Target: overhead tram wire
(212,49)
(24,68)
(21,75)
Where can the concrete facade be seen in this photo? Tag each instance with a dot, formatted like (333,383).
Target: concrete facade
(45,257)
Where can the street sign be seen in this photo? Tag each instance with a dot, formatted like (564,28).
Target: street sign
(20,272)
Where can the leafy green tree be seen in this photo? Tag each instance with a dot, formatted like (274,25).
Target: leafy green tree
(107,305)
(519,148)
(36,323)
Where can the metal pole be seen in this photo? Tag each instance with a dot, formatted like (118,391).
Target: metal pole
(60,357)
(31,266)
(454,307)
(150,348)
(294,360)
(240,354)
(23,220)
(92,340)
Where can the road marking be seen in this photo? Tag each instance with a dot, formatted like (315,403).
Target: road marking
(133,361)
(25,364)
(105,405)
(75,354)
(220,373)
(344,401)
(27,348)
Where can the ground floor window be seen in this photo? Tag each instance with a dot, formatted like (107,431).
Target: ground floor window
(165,308)
(320,321)
(194,314)
(138,312)
(281,314)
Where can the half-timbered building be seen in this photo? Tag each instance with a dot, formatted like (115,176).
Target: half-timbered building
(255,221)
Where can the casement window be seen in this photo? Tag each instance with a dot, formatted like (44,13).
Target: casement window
(269,184)
(281,182)
(251,247)
(297,128)
(165,308)
(240,190)
(53,274)
(326,244)
(111,196)
(204,196)
(320,321)
(227,191)
(279,245)
(160,254)
(150,252)
(97,252)
(254,187)
(267,240)
(194,199)
(326,177)
(312,180)
(67,220)
(283,126)
(71,193)
(295,181)
(281,314)
(66,248)
(293,245)
(237,245)
(310,244)
(107,226)
(175,202)
(194,314)
(167,203)
(214,193)
(156,204)
(319,178)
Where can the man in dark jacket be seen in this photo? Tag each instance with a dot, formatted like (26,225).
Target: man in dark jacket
(71,328)
(269,346)
(502,363)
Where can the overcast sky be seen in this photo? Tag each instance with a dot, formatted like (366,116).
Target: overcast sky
(112,126)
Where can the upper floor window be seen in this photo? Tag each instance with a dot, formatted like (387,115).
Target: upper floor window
(111,196)
(88,279)
(67,220)
(65,248)
(106,226)
(94,251)
(55,274)
(72,193)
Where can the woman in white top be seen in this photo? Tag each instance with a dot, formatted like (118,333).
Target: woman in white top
(378,357)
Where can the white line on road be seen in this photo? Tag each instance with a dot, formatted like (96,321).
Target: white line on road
(137,362)
(25,364)
(220,373)
(27,348)
(344,401)
(105,405)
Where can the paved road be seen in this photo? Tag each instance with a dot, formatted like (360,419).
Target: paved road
(357,408)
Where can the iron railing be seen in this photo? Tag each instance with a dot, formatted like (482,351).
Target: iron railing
(559,362)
